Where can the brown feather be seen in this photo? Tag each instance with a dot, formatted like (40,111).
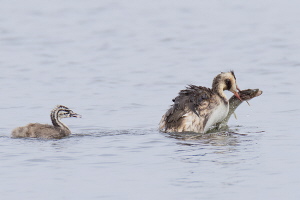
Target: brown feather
(194,100)
(198,108)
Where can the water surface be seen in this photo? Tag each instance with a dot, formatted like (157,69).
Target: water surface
(119,64)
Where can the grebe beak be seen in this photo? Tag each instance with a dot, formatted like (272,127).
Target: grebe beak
(237,95)
(75,115)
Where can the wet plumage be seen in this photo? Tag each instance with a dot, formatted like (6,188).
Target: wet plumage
(197,108)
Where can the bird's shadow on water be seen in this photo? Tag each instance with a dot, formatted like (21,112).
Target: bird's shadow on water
(220,147)
(104,132)
(87,133)
(232,136)
(226,137)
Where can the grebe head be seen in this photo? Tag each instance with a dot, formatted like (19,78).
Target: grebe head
(65,112)
(226,81)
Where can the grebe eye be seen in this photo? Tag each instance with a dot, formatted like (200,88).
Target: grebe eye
(228,84)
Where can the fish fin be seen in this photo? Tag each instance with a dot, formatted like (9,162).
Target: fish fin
(248,103)
(235,116)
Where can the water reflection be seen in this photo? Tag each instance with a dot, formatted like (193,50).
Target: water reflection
(223,148)
(223,138)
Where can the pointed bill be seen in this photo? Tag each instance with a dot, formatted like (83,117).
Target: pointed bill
(237,95)
(75,115)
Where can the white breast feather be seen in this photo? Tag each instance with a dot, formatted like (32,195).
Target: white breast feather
(217,115)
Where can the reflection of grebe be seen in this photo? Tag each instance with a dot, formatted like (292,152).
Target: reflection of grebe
(197,108)
(57,131)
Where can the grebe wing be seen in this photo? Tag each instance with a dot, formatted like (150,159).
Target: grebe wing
(194,99)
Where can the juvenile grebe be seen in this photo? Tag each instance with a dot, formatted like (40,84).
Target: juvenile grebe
(56,131)
(198,108)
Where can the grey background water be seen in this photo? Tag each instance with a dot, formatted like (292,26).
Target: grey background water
(119,64)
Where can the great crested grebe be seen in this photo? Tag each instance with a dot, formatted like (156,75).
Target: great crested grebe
(56,131)
(198,108)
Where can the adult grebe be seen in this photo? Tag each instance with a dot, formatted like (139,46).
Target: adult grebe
(198,108)
(56,131)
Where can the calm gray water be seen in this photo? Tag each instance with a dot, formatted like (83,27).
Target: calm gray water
(119,64)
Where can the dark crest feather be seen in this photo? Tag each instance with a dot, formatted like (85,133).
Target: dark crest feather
(61,107)
(232,72)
